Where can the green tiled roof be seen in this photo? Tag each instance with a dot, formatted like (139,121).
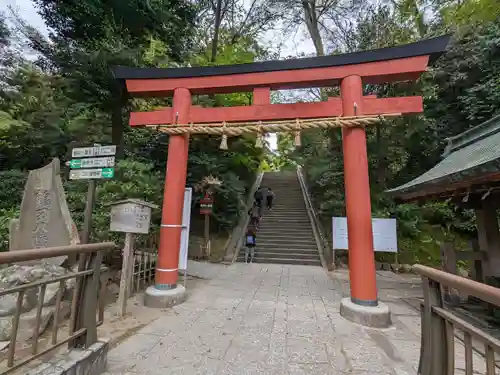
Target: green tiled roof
(473,153)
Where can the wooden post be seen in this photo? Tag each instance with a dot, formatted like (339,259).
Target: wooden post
(448,258)
(489,238)
(435,356)
(477,267)
(449,264)
(87,309)
(207,235)
(126,275)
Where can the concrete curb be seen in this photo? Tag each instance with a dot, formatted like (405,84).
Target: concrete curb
(90,361)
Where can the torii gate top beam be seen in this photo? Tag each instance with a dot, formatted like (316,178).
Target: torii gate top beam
(393,64)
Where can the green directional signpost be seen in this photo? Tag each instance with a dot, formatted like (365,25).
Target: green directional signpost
(91,163)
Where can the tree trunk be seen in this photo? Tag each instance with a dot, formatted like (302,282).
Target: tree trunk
(215,42)
(311,19)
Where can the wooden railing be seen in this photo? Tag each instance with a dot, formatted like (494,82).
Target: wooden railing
(86,308)
(441,326)
(324,249)
(235,240)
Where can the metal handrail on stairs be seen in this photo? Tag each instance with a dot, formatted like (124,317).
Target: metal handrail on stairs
(234,242)
(321,241)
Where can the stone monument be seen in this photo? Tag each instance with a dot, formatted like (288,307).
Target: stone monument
(45,220)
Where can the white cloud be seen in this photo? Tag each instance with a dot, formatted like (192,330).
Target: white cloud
(26,9)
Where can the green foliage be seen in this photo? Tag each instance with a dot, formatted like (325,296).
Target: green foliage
(461,91)
(69,95)
(11,188)
(94,21)
(466,90)
(469,12)
(133,179)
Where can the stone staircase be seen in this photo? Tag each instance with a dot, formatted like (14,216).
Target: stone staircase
(285,235)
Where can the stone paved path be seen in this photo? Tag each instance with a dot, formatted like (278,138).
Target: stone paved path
(273,319)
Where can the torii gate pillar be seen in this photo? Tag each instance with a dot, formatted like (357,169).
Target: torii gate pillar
(166,292)
(363,306)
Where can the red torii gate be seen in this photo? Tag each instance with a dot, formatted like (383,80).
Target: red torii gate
(350,71)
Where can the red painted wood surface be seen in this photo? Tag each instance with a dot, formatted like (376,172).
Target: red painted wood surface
(407,69)
(173,197)
(261,95)
(269,112)
(362,275)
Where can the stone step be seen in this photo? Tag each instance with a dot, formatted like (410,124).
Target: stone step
(285,249)
(285,225)
(291,212)
(286,230)
(285,221)
(286,214)
(286,234)
(289,253)
(302,218)
(286,255)
(304,241)
(299,218)
(291,246)
(305,262)
(286,245)
(285,210)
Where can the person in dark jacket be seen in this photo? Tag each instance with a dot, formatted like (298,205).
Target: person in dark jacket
(250,243)
(259,198)
(269,198)
(254,213)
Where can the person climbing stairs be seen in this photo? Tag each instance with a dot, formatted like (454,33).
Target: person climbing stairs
(285,234)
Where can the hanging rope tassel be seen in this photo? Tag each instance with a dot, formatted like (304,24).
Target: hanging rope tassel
(258,141)
(298,141)
(223,142)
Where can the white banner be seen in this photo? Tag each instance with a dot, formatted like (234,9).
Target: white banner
(186,220)
(384,234)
